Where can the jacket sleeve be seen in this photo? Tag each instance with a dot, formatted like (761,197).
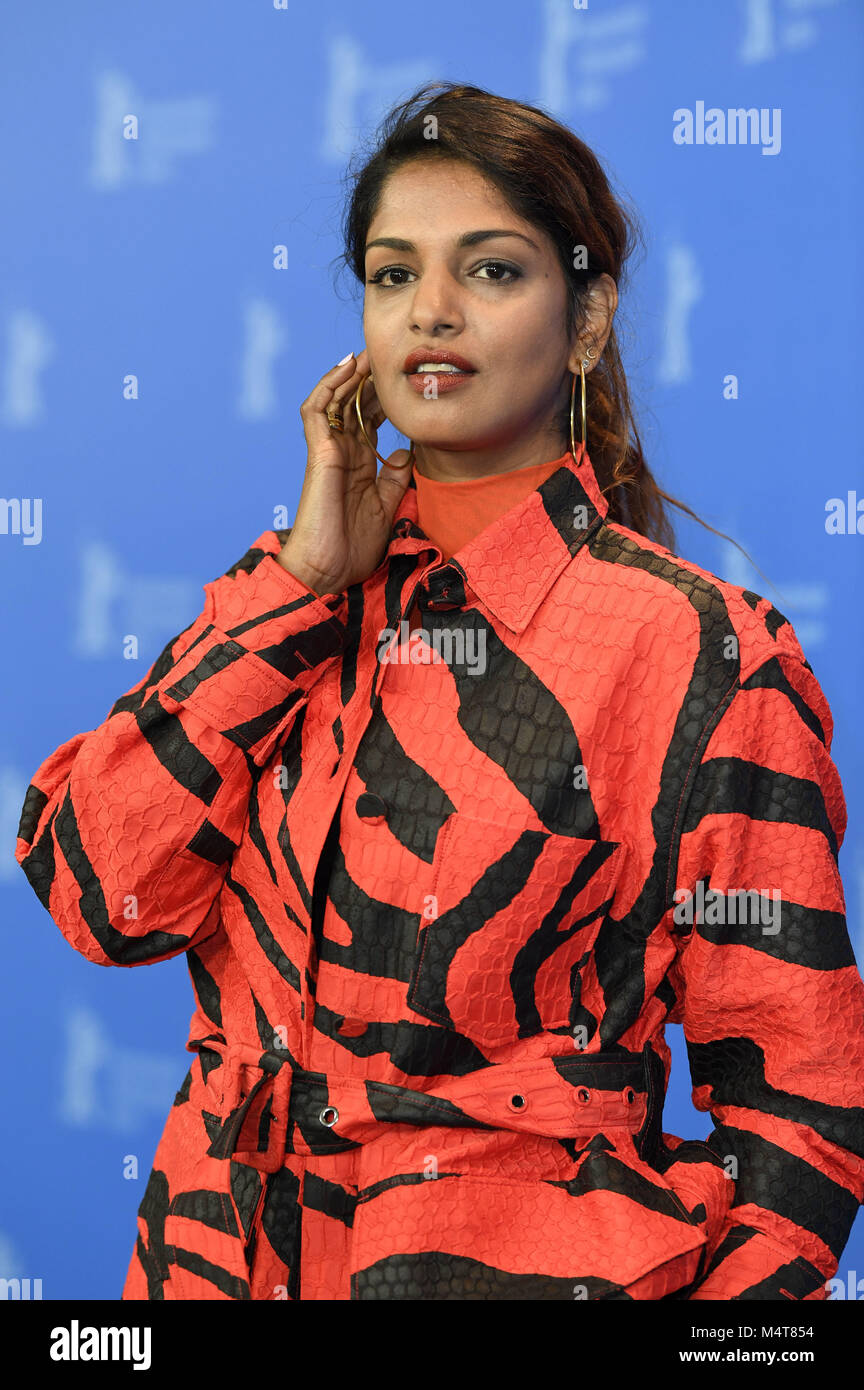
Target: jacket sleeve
(127,830)
(771,1000)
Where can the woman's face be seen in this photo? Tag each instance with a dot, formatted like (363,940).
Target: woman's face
(498,302)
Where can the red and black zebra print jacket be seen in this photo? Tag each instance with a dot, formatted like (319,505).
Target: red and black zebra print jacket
(445,852)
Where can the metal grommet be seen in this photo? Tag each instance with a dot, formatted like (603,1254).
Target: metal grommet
(629,1095)
(517,1102)
(329,1115)
(583,1095)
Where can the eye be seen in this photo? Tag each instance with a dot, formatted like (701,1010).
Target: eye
(378,277)
(511,270)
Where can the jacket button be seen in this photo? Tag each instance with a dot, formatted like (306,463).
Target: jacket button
(352,1027)
(370,807)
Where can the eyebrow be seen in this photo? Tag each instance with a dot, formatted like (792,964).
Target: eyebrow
(467,239)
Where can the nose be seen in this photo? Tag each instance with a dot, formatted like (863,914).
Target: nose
(435,302)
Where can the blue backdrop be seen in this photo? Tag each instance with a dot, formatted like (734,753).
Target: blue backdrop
(154,258)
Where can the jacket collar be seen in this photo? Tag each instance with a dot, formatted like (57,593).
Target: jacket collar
(513,563)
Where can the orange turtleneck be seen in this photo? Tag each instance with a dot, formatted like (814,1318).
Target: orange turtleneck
(453,513)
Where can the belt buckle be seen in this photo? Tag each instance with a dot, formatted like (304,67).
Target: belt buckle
(250,1088)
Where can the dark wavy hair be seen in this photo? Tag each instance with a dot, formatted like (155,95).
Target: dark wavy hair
(551,179)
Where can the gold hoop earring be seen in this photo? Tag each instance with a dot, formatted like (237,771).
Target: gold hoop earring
(410,458)
(589,353)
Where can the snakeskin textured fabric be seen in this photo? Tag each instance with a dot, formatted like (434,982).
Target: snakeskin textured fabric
(445,852)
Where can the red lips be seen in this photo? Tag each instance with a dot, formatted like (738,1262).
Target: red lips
(413,360)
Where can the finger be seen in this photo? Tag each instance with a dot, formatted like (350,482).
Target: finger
(348,388)
(322,394)
(344,399)
(313,411)
(343,396)
(392,483)
(370,405)
(373,413)
(350,383)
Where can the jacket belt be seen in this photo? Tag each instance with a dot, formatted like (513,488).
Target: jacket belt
(567,1096)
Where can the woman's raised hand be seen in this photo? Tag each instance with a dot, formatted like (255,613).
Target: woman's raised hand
(347,506)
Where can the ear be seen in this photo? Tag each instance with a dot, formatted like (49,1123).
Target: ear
(600,309)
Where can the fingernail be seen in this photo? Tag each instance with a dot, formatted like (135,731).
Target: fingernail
(343,360)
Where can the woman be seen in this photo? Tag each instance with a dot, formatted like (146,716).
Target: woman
(456,792)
